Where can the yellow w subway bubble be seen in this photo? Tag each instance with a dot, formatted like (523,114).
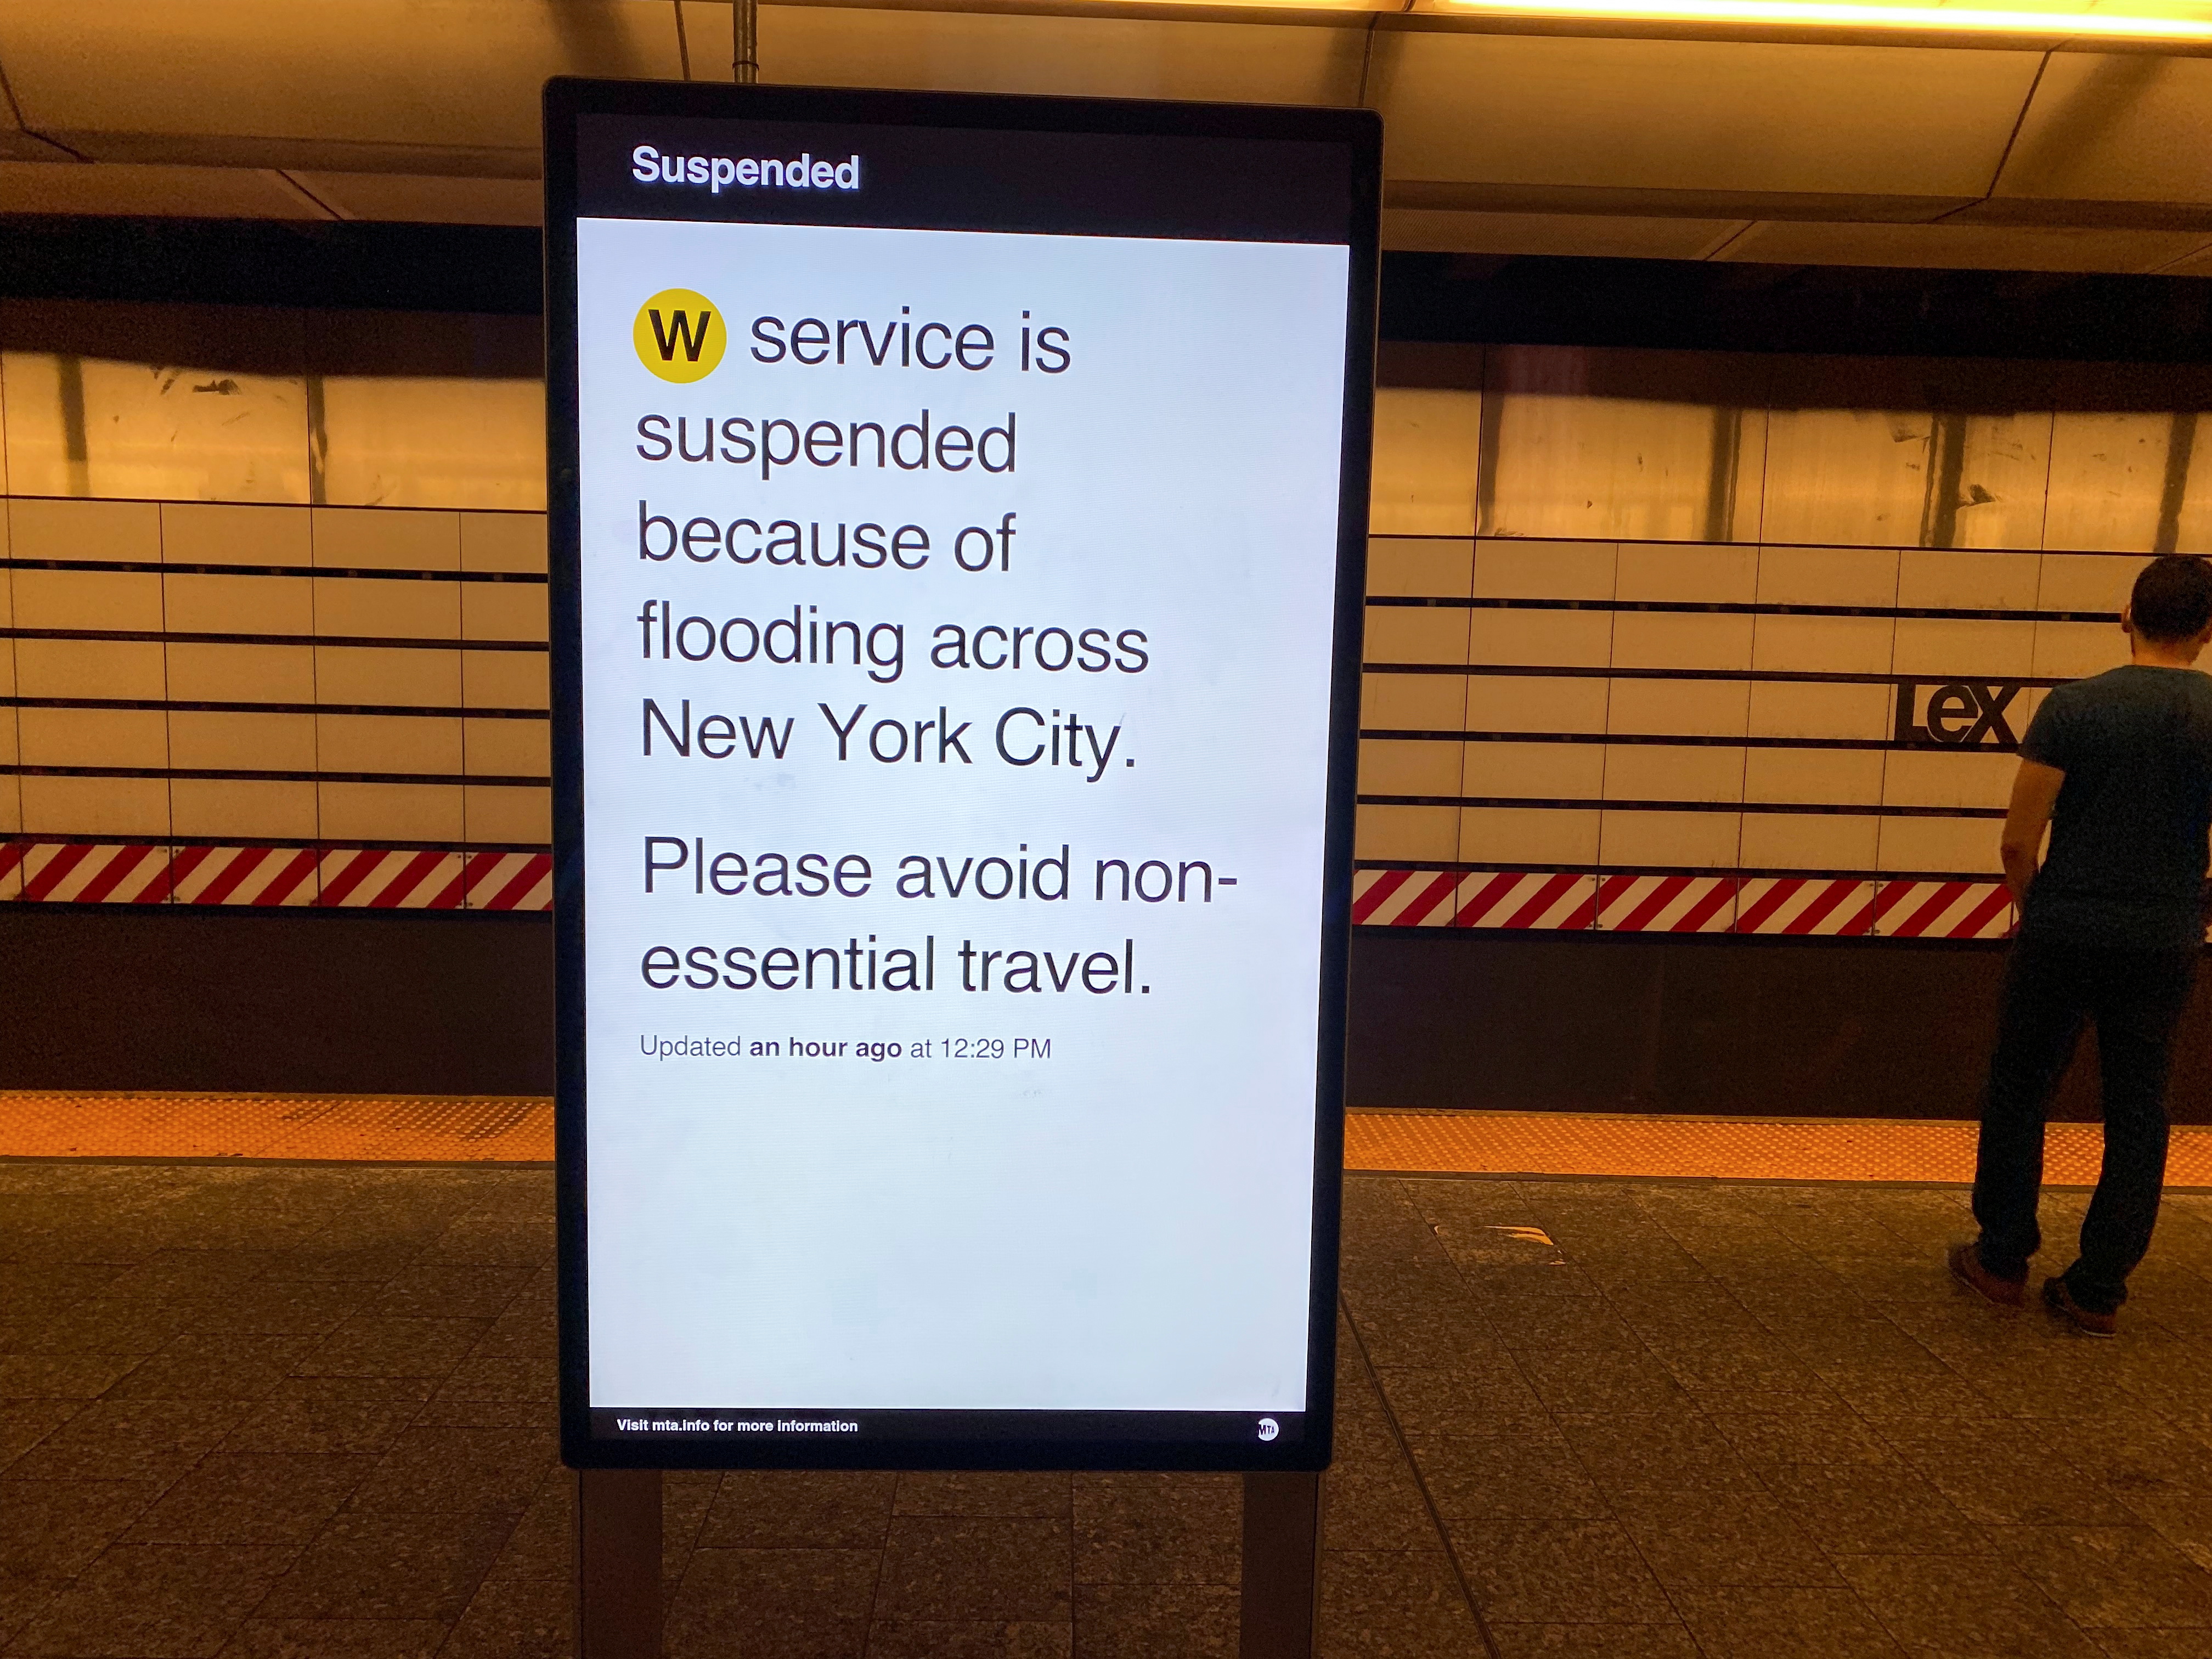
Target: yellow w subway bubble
(679,335)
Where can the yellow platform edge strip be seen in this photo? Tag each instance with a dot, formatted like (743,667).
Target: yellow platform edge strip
(518,1129)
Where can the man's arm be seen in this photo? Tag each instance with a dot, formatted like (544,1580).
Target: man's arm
(2034,792)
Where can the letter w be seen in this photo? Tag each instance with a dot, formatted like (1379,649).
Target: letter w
(766,735)
(680,332)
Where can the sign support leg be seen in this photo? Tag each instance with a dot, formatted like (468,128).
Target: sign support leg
(1282,1566)
(618,1563)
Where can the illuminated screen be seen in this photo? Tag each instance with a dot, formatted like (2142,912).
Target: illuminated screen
(958,511)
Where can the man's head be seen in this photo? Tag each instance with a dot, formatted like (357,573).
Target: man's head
(2171,604)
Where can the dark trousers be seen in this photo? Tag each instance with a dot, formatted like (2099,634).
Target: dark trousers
(2051,990)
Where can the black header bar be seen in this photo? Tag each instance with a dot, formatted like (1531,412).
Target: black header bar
(979,163)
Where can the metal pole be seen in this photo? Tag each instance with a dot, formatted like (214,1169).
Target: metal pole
(618,1563)
(1282,1566)
(744,32)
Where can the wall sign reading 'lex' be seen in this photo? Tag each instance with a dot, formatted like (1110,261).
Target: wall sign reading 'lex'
(959,512)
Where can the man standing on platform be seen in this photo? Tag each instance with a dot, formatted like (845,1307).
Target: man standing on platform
(2112,924)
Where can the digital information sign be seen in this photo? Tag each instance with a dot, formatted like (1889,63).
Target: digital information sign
(958,510)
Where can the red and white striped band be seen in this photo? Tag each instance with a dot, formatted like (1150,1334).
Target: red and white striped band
(1568,900)
(35,871)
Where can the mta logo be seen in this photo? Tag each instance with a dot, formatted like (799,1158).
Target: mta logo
(679,335)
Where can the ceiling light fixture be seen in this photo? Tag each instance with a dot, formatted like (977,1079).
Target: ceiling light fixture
(2191,24)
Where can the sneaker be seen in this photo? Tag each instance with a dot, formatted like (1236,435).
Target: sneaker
(2060,1300)
(1966,1268)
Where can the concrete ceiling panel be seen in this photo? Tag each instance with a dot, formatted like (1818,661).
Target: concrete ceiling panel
(16,145)
(2198,263)
(2119,128)
(1962,247)
(371,85)
(1584,235)
(1698,117)
(1105,57)
(132,191)
(407,200)
(426,111)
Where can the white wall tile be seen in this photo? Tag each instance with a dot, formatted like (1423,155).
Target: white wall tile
(1663,773)
(497,814)
(2088,581)
(1689,709)
(1424,567)
(1824,777)
(1824,645)
(1542,771)
(1386,767)
(1511,569)
(1814,708)
(1680,572)
(1533,836)
(1968,581)
(1806,841)
(200,533)
(1406,832)
(1547,639)
(503,541)
(1961,650)
(1649,639)
(1921,777)
(1679,840)
(355,538)
(1400,702)
(1828,575)
(1551,702)
(1957,846)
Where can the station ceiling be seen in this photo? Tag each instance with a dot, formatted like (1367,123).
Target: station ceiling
(2026,153)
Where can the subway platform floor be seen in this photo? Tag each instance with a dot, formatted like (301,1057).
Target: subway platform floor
(260,1410)
(518,1129)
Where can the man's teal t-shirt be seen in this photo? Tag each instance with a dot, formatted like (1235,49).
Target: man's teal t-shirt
(2127,858)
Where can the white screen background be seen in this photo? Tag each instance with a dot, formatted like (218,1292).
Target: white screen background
(1126,1225)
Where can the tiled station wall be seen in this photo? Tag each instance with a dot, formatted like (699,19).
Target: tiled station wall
(1655,642)
(273,608)
(1738,644)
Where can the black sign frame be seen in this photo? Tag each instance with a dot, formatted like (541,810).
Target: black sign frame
(1261,202)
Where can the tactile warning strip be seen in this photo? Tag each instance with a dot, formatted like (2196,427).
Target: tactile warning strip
(518,1129)
(1728,1148)
(342,1128)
